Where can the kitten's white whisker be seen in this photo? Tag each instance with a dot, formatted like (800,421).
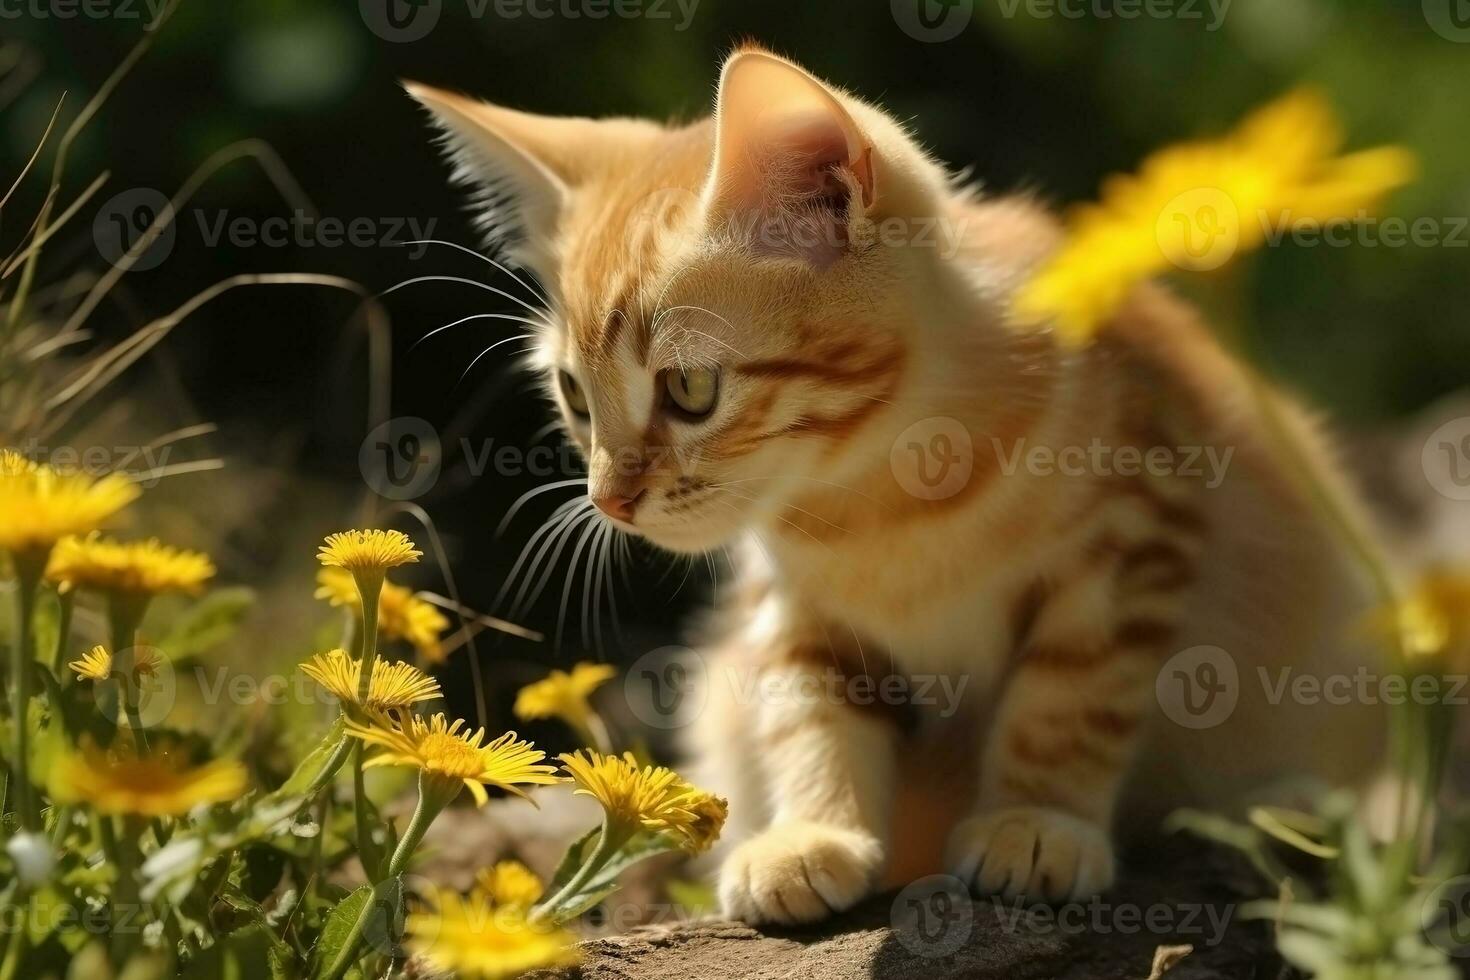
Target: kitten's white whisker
(547,527)
(564,537)
(529,495)
(478,316)
(583,537)
(535,311)
(535,290)
(590,639)
(480,356)
(526,595)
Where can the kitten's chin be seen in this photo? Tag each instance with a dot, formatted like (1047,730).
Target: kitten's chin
(686,540)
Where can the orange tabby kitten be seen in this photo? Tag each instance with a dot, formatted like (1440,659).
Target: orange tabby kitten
(785,329)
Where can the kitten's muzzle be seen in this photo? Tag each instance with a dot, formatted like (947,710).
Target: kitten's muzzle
(618,507)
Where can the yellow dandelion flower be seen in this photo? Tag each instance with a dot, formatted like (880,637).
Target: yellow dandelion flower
(402,615)
(473,938)
(393,685)
(652,798)
(96,663)
(1196,205)
(161,782)
(368,551)
(509,884)
(440,748)
(136,567)
(1434,619)
(42,505)
(563,695)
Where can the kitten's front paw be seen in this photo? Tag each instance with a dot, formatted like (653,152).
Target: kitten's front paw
(798,872)
(1032,852)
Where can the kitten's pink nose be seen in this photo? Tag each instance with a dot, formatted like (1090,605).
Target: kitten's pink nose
(619,508)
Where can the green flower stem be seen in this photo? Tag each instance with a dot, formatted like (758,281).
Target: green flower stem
(369,588)
(434,796)
(68,602)
(16,951)
(125,615)
(608,842)
(125,888)
(28,571)
(1360,542)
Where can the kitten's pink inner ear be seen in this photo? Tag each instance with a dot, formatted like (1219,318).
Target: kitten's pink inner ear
(782,135)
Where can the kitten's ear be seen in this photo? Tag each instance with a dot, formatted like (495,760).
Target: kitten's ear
(785,140)
(522,165)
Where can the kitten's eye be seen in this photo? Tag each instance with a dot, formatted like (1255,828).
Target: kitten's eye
(576,398)
(693,392)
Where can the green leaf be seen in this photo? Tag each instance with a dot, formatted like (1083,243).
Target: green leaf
(207,623)
(1294,829)
(604,881)
(311,764)
(382,929)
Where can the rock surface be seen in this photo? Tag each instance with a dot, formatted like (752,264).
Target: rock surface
(1187,895)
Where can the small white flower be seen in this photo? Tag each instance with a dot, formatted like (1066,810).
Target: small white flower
(34,859)
(180,858)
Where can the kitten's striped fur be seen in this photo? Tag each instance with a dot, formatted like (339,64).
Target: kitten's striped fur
(1056,598)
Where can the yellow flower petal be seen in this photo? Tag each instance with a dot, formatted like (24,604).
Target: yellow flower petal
(42,505)
(476,939)
(94,665)
(402,615)
(448,750)
(1196,205)
(136,567)
(652,798)
(509,883)
(159,783)
(368,551)
(1433,620)
(563,695)
(393,685)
